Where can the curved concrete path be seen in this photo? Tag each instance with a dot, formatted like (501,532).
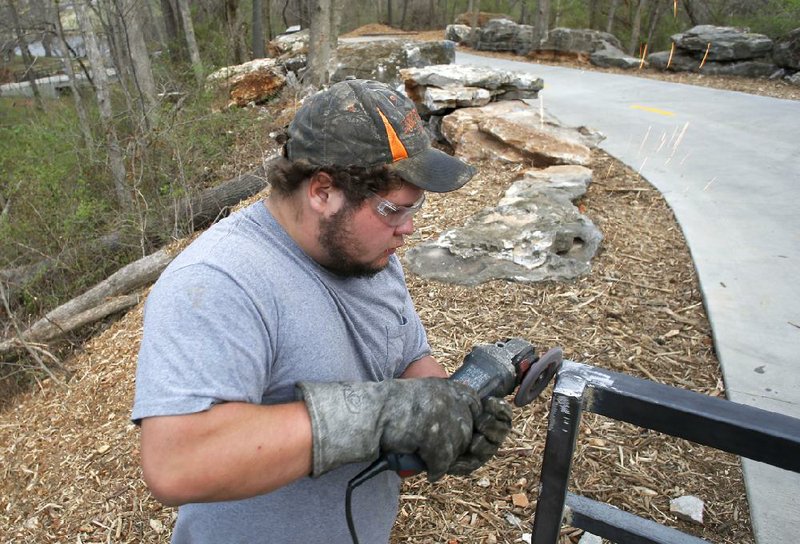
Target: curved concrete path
(728,164)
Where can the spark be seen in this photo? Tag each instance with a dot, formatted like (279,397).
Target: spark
(644,54)
(708,48)
(675,8)
(642,166)
(710,182)
(680,136)
(686,157)
(671,52)
(663,141)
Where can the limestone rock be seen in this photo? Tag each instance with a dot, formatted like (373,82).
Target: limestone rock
(794,79)
(688,508)
(513,131)
(436,100)
(457,33)
(505,35)
(534,234)
(614,58)
(787,50)
(582,40)
(289,45)
(727,43)
(473,76)
(382,60)
(681,62)
(589,538)
(439,88)
(251,82)
(483,18)
(745,68)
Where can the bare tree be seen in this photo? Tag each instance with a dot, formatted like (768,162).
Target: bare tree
(594,13)
(100,77)
(699,11)
(319,44)
(191,43)
(259,49)
(27,58)
(657,9)
(236,32)
(83,119)
(636,26)
(131,15)
(612,10)
(542,25)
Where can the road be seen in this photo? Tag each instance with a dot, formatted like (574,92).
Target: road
(728,164)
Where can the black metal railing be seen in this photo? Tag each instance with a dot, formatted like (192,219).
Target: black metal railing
(744,430)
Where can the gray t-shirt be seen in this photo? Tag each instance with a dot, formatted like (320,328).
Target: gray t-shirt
(242,315)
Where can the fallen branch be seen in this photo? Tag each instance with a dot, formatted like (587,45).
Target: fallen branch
(100,301)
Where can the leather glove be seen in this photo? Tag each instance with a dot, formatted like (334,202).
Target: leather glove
(442,421)
(491,429)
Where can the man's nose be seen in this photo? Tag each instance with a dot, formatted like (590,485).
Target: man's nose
(406,228)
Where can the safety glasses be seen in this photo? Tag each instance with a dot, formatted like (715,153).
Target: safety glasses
(393,214)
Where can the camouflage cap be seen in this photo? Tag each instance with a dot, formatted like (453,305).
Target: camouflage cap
(365,123)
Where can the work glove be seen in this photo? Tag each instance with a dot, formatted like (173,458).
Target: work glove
(442,421)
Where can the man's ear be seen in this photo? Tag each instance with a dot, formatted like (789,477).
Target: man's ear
(319,191)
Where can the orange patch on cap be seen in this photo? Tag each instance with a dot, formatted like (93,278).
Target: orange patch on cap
(399,151)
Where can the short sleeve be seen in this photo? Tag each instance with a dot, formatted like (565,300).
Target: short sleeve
(204,343)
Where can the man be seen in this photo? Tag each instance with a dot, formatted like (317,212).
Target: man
(282,352)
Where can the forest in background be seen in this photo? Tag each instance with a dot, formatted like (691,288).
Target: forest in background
(99,177)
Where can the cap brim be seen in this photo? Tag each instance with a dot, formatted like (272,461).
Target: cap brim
(434,170)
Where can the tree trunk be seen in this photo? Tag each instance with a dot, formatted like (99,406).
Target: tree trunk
(557,18)
(191,43)
(236,31)
(268,19)
(389,12)
(404,13)
(336,24)
(656,11)
(594,12)
(27,58)
(612,10)
(131,18)
(259,48)
(100,78)
(172,26)
(44,13)
(474,7)
(698,11)
(155,26)
(83,118)
(636,28)
(542,23)
(319,44)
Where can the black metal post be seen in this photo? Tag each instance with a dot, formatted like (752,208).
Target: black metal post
(562,432)
(736,428)
(619,526)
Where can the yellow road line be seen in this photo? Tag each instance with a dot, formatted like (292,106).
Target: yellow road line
(652,110)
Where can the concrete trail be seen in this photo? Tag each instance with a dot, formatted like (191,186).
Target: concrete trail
(728,164)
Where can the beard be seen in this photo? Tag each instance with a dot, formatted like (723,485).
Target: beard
(342,247)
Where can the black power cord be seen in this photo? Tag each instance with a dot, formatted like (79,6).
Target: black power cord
(367,474)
